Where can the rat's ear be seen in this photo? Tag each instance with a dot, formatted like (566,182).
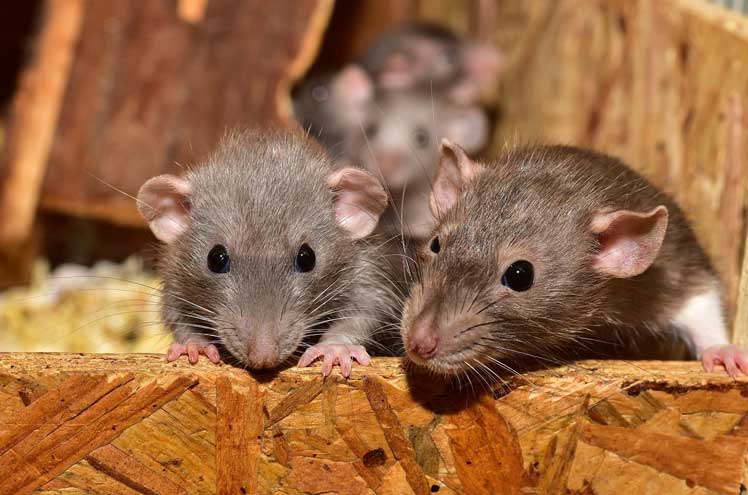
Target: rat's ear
(482,64)
(360,199)
(467,126)
(629,241)
(164,203)
(353,90)
(397,72)
(455,170)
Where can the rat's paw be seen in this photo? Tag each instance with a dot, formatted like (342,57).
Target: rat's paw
(193,350)
(333,354)
(732,357)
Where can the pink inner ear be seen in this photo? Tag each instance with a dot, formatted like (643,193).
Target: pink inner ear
(483,63)
(629,241)
(353,88)
(455,170)
(397,72)
(359,200)
(164,202)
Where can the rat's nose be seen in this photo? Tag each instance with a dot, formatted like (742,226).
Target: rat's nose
(389,162)
(423,341)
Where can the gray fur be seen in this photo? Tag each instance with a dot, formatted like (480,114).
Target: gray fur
(262,197)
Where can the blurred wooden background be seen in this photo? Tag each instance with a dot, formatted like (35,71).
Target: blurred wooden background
(125,90)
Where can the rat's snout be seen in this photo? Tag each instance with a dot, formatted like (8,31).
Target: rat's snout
(260,358)
(261,348)
(423,339)
(389,162)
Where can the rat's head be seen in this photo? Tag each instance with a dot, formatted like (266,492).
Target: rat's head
(401,134)
(429,56)
(516,269)
(259,242)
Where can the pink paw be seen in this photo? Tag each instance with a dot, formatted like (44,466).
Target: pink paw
(333,354)
(733,358)
(193,350)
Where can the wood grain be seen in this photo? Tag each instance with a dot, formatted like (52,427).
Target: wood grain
(240,423)
(33,117)
(161,84)
(127,424)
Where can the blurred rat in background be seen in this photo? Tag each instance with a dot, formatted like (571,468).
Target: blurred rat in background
(400,145)
(428,56)
(553,253)
(387,112)
(266,246)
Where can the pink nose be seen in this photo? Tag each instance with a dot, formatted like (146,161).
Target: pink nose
(423,341)
(389,162)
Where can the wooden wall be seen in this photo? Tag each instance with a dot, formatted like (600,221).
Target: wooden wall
(122,91)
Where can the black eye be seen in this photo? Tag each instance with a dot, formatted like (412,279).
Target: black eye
(519,276)
(218,259)
(304,259)
(421,138)
(435,246)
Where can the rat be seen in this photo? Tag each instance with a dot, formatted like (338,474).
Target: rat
(264,244)
(399,143)
(551,252)
(430,56)
(414,56)
(329,106)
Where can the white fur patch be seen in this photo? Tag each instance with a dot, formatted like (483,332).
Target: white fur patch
(702,320)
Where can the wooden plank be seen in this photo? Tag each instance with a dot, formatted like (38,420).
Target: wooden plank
(161,85)
(603,427)
(29,465)
(240,423)
(113,462)
(401,447)
(34,113)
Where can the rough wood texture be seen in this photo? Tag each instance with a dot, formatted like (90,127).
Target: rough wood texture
(34,113)
(132,424)
(664,85)
(158,82)
(741,315)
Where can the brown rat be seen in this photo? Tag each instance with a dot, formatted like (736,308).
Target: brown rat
(265,242)
(553,252)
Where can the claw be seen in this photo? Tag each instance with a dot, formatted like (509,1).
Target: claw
(193,350)
(733,358)
(333,354)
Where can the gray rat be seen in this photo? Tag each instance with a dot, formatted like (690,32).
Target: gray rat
(549,252)
(414,56)
(400,145)
(330,106)
(262,244)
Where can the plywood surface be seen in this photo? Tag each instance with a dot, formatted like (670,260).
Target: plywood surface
(134,424)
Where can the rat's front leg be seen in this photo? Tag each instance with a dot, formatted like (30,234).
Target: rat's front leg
(732,357)
(340,345)
(193,346)
(701,320)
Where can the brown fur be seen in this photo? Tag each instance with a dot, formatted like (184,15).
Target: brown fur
(536,204)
